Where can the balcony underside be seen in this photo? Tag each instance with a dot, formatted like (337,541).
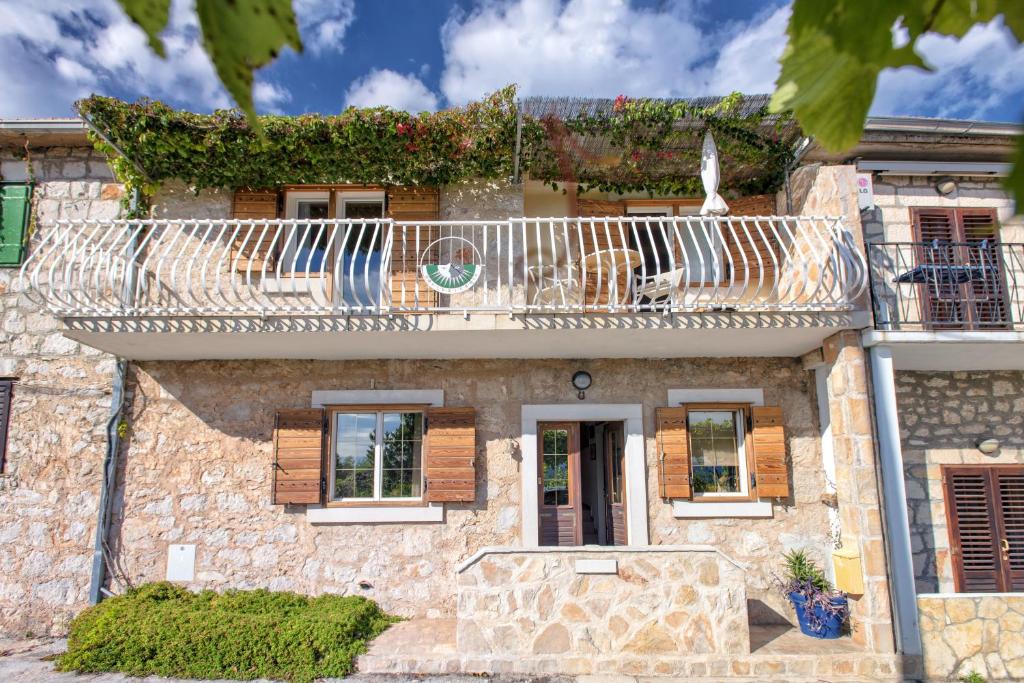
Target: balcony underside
(949,351)
(478,336)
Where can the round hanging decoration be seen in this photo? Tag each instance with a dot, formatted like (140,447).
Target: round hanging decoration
(457,268)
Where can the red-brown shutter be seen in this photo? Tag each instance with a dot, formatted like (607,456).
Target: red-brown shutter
(411,205)
(751,250)
(673,453)
(771,476)
(450,469)
(298,456)
(972,529)
(980,229)
(248,247)
(1010,492)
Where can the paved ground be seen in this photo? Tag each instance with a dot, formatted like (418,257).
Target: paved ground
(27,661)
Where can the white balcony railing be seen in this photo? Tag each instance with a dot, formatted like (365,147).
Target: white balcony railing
(628,264)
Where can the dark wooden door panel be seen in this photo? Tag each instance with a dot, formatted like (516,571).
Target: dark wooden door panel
(972,530)
(558,483)
(615,485)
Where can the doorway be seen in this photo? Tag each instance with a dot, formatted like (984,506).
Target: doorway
(581,483)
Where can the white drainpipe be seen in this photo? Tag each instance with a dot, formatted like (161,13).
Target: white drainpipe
(894,504)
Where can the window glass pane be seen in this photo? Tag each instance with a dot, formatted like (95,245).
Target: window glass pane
(354,441)
(555,474)
(312,237)
(402,468)
(714,452)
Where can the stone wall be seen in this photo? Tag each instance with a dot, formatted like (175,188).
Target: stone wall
(661,602)
(943,416)
(197,470)
(972,633)
(50,484)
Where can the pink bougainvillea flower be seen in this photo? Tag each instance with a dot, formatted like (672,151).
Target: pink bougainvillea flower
(620,103)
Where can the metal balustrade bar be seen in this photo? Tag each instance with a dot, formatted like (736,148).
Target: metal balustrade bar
(626,264)
(947,285)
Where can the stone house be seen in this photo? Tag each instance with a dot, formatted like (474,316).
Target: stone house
(561,432)
(945,252)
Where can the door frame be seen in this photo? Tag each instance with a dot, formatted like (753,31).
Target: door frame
(631,415)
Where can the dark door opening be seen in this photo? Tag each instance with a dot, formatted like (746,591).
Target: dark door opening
(582,483)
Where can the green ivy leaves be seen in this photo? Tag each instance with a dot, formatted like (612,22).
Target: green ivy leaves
(240,36)
(837,50)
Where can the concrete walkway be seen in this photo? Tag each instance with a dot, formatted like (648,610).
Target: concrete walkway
(28,661)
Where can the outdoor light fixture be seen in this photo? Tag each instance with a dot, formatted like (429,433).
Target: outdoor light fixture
(581,380)
(945,186)
(989,446)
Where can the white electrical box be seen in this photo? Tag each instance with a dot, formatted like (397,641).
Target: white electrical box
(181,562)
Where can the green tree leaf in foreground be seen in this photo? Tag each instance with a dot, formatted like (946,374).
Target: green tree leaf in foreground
(837,49)
(240,36)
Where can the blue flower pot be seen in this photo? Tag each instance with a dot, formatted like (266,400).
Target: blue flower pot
(829,625)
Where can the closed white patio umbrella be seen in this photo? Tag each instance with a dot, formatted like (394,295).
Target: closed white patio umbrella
(714,205)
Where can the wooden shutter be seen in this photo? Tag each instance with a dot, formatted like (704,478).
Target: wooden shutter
(1010,493)
(450,455)
(254,205)
(771,477)
(673,453)
(596,291)
(972,528)
(6,391)
(298,456)
(412,205)
(15,202)
(941,301)
(758,247)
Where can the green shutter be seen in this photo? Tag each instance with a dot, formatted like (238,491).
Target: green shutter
(15,199)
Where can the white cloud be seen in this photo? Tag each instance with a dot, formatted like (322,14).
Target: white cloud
(322,23)
(55,52)
(387,87)
(270,96)
(974,77)
(749,61)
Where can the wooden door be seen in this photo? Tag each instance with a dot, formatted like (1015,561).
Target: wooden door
(558,483)
(615,484)
(985,509)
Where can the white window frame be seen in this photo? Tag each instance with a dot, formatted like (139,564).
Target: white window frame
(739,420)
(291,212)
(378,456)
(715,267)
(343,197)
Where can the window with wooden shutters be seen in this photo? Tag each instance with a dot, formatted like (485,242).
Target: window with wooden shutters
(15,204)
(6,391)
(298,457)
(450,461)
(252,245)
(722,452)
(958,251)
(985,509)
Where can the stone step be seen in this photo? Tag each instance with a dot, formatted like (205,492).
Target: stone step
(829,668)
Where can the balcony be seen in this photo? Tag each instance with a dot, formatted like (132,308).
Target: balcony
(949,305)
(223,276)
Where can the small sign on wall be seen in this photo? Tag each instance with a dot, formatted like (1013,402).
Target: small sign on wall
(865,193)
(181,562)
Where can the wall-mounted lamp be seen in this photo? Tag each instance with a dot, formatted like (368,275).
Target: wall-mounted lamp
(989,446)
(581,380)
(945,186)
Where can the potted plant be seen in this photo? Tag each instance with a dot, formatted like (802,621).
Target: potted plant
(821,610)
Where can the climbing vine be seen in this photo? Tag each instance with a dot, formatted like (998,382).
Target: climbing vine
(655,145)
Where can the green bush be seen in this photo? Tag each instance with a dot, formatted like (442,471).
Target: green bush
(166,630)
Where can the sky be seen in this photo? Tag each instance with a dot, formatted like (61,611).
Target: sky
(431,54)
